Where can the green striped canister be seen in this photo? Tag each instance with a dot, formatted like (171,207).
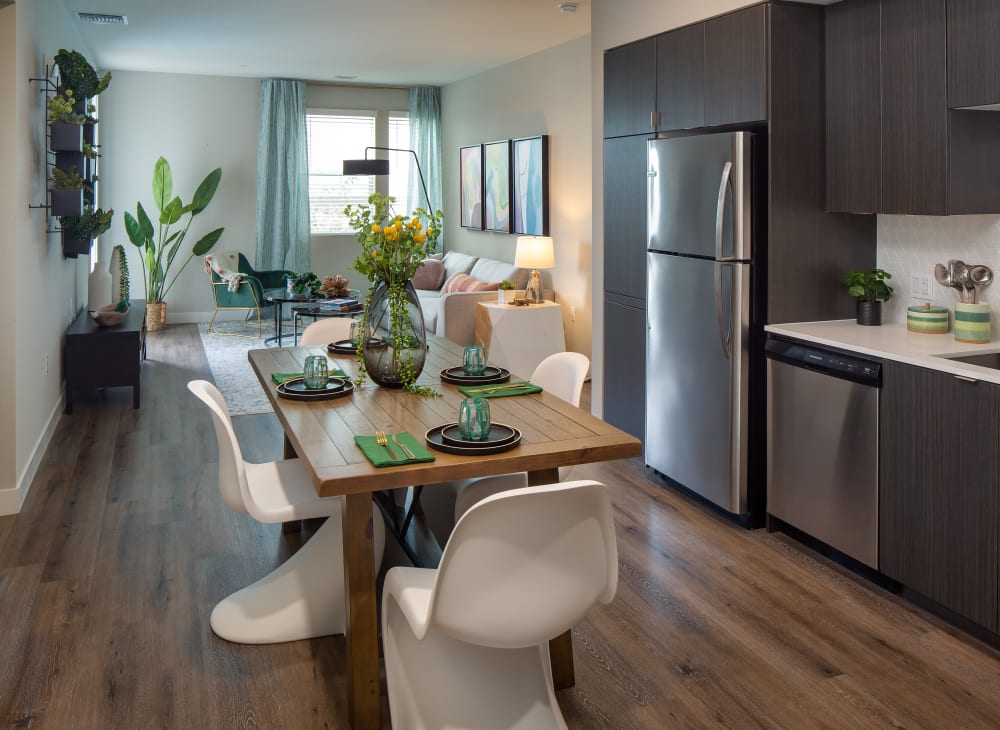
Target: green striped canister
(927,320)
(972,323)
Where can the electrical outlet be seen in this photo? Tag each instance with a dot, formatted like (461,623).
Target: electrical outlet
(920,285)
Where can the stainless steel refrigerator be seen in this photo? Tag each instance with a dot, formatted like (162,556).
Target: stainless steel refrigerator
(700,258)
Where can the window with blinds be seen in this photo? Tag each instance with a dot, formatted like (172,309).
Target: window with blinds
(400,163)
(333,137)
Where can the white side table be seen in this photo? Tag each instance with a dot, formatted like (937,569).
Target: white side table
(518,338)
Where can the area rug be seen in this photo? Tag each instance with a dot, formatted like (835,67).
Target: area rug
(227,356)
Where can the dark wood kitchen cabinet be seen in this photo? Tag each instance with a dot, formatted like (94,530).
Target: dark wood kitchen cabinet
(625,184)
(973,52)
(625,367)
(892,144)
(736,67)
(939,492)
(630,88)
(914,107)
(680,78)
(854,115)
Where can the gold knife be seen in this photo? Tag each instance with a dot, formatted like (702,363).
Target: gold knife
(400,444)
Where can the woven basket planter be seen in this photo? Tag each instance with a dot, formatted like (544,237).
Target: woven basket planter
(156,316)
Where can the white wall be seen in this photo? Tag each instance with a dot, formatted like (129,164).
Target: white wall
(910,245)
(614,23)
(42,289)
(335,254)
(197,123)
(546,93)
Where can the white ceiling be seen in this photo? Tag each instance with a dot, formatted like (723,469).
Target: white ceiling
(394,42)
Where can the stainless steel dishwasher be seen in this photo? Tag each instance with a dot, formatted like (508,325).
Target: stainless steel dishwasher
(822,445)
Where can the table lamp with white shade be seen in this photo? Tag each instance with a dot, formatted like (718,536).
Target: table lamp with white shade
(534,252)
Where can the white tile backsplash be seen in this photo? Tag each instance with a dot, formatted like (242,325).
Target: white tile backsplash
(910,245)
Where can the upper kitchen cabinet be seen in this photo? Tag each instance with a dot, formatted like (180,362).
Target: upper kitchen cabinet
(736,67)
(914,107)
(680,78)
(630,89)
(854,115)
(973,53)
(892,143)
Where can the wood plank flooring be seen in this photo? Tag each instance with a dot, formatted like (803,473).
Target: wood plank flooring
(108,576)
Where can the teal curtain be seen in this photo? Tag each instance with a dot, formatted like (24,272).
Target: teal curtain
(425,140)
(283,238)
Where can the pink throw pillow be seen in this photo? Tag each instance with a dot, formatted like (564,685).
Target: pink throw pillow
(464,282)
(429,276)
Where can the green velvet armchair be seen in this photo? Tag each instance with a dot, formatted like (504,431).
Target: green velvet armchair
(249,296)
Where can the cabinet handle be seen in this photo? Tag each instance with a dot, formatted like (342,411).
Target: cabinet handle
(654,119)
(965,379)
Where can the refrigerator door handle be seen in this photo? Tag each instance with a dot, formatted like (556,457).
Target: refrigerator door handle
(720,211)
(725,333)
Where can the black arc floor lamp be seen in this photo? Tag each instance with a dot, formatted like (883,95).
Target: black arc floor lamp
(369,166)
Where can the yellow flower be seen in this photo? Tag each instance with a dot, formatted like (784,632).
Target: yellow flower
(376,228)
(419,237)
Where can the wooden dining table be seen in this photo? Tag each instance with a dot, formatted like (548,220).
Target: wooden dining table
(321,434)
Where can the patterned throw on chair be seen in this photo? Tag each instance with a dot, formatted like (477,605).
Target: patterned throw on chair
(225,265)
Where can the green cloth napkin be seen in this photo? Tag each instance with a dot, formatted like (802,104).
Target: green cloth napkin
(499,390)
(280,378)
(379,456)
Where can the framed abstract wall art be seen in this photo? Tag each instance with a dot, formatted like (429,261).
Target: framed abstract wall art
(496,186)
(531,185)
(471,186)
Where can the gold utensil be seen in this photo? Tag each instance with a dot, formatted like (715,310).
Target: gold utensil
(382,441)
(497,388)
(400,444)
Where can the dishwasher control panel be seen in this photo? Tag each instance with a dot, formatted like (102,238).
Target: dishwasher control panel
(827,362)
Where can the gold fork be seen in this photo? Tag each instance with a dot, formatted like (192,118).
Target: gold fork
(381,440)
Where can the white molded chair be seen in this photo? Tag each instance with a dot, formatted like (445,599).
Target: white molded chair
(303,597)
(561,375)
(466,644)
(325,331)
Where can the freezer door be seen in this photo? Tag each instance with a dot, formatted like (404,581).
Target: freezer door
(696,375)
(699,195)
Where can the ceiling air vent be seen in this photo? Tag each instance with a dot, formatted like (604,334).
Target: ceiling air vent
(103,18)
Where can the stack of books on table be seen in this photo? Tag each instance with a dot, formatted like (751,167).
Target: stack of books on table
(341,304)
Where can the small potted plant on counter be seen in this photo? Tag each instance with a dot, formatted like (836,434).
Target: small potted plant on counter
(870,289)
(502,288)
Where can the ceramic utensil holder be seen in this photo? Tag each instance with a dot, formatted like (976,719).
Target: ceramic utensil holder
(972,323)
(927,320)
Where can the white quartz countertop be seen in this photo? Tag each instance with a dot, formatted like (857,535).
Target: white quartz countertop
(893,342)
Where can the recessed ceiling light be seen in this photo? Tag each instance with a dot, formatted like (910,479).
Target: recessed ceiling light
(568,7)
(103,18)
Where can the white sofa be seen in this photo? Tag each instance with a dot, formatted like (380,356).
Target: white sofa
(453,315)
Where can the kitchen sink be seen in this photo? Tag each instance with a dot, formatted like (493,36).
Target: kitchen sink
(983,359)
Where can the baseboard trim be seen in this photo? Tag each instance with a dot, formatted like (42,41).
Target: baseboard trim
(11,500)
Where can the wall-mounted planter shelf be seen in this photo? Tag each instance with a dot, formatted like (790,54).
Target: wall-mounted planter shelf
(65,137)
(65,202)
(73,246)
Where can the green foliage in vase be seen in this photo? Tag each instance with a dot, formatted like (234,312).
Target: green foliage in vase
(505,285)
(88,225)
(124,285)
(869,287)
(60,108)
(393,247)
(77,75)
(67,179)
(302,282)
(159,246)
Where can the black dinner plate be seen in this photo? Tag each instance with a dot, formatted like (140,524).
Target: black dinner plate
(342,347)
(436,442)
(491,374)
(499,434)
(296,389)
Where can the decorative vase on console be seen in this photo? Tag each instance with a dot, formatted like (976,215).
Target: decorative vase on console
(393,247)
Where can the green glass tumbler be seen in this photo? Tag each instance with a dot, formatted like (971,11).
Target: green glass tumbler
(475,360)
(316,373)
(474,419)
